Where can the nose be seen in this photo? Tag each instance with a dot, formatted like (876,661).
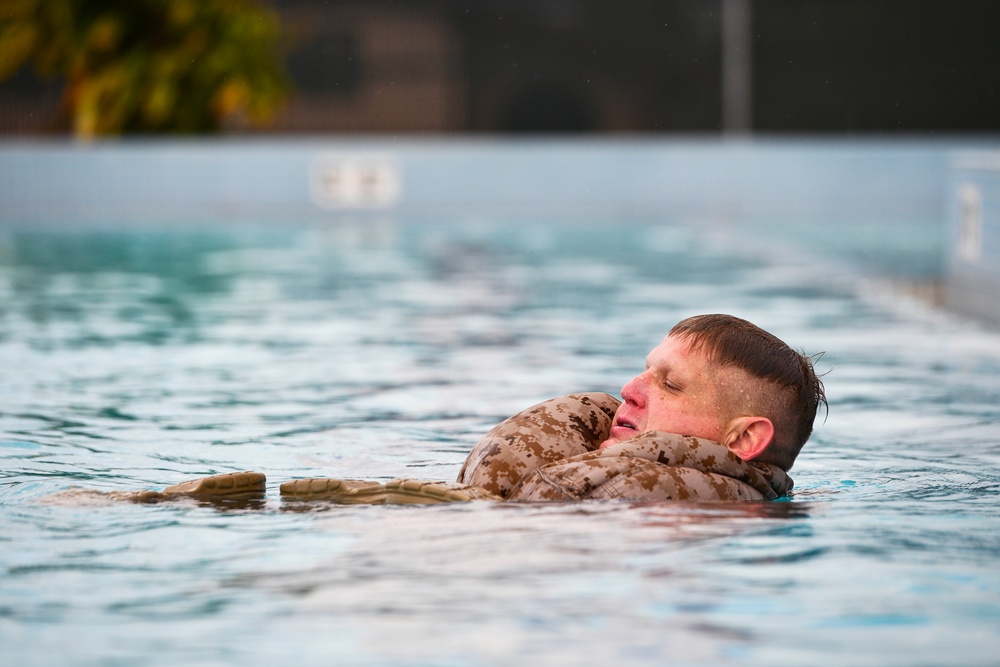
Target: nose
(633,392)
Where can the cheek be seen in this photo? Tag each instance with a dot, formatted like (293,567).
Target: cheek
(681,415)
(706,418)
(664,410)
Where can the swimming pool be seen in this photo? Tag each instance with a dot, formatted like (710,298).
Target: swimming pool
(380,347)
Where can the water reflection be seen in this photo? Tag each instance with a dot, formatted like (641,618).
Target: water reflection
(712,511)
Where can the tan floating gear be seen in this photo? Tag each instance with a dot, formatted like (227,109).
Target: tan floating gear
(398,491)
(231,485)
(231,490)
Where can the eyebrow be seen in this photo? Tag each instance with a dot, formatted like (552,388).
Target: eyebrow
(660,368)
(669,370)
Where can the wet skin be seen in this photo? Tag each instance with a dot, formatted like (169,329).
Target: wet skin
(677,393)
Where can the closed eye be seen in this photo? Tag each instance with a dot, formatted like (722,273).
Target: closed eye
(671,386)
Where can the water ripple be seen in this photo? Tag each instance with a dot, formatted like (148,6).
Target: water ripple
(136,360)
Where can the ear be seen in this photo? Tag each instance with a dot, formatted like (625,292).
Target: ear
(748,437)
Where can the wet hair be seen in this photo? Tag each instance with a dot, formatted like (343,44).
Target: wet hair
(784,386)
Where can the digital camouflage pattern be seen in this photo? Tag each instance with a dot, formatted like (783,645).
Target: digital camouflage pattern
(551,431)
(655,466)
(549,452)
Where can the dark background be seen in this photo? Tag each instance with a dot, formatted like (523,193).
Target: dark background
(861,67)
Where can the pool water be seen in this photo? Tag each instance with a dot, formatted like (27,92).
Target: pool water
(378,348)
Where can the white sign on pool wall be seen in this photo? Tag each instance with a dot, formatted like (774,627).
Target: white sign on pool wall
(354,181)
(973,275)
(970,222)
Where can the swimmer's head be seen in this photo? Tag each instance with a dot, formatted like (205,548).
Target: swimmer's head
(722,378)
(782,383)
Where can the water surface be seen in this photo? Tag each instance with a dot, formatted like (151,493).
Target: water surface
(377,349)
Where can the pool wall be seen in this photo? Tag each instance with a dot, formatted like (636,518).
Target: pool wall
(891,205)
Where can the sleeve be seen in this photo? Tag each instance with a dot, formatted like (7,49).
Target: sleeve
(542,434)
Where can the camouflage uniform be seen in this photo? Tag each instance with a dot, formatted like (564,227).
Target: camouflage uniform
(549,452)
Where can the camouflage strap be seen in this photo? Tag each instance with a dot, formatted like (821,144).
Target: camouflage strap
(550,431)
(655,466)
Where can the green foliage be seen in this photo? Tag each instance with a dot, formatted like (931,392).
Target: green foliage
(149,65)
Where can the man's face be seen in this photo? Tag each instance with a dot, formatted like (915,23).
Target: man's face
(677,393)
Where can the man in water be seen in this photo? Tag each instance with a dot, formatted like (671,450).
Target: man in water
(720,413)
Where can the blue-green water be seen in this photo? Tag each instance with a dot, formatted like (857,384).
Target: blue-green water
(378,348)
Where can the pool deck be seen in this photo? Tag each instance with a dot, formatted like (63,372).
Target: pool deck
(920,209)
